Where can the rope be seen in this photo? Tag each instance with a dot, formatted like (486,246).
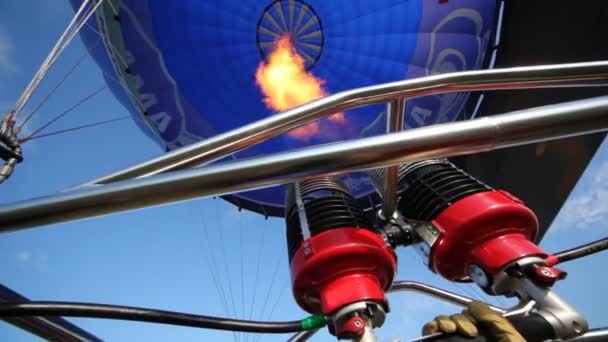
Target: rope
(270,288)
(242,268)
(111,46)
(225,262)
(74,128)
(65,112)
(257,271)
(66,37)
(65,77)
(213,268)
(257,337)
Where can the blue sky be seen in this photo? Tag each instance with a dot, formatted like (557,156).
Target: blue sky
(172,257)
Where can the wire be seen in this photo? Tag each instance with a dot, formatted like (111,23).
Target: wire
(213,269)
(46,64)
(581,251)
(257,271)
(74,128)
(276,303)
(242,269)
(69,309)
(65,77)
(225,262)
(110,45)
(79,27)
(272,281)
(65,112)
(66,37)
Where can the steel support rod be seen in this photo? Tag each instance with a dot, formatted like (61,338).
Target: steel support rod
(436,292)
(545,76)
(302,335)
(394,123)
(445,140)
(594,335)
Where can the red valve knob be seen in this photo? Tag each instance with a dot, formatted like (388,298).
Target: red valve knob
(547,275)
(354,327)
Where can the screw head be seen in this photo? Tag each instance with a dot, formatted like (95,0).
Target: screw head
(478,275)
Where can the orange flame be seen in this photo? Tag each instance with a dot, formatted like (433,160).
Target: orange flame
(286,84)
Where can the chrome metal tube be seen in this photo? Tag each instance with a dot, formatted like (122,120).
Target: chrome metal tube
(302,335)
(436,292)
(594,335)
(544,76)
(394,123)
(452,139)
(565,320)
(368,334)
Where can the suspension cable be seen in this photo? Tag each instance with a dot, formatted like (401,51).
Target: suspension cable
(225,262)
(64,40)
(270,288)
(54,89)
(212,266)
(99,123)
(241,247)
(257,271)
(65,112)
(81,24)
(276,303)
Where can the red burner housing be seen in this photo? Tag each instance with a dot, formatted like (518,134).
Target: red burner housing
(490,229)
(339,267)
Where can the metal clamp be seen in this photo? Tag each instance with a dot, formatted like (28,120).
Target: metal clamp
(565,320)
(518,279)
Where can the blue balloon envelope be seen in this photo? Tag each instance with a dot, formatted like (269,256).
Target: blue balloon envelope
(186,69)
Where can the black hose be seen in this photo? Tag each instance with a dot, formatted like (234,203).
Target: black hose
(582,251)
(17,309)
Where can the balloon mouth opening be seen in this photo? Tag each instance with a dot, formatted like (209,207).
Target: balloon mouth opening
(295,19)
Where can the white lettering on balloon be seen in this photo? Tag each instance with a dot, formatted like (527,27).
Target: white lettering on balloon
(161,120)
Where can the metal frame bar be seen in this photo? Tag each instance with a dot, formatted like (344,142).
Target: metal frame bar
(445,140)
(394,123)
(438,141)
(436,292)
(543,76)
(538,124)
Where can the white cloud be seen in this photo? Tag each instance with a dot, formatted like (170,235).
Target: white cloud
(588,206)
(29,259)
(24,256)
(7,53)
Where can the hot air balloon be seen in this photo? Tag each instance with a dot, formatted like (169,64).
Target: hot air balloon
(166,61)
(192,70)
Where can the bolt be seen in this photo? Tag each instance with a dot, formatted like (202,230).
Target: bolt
(358,323)
(306,243)
(306,250)
(546,272)
(478,275)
